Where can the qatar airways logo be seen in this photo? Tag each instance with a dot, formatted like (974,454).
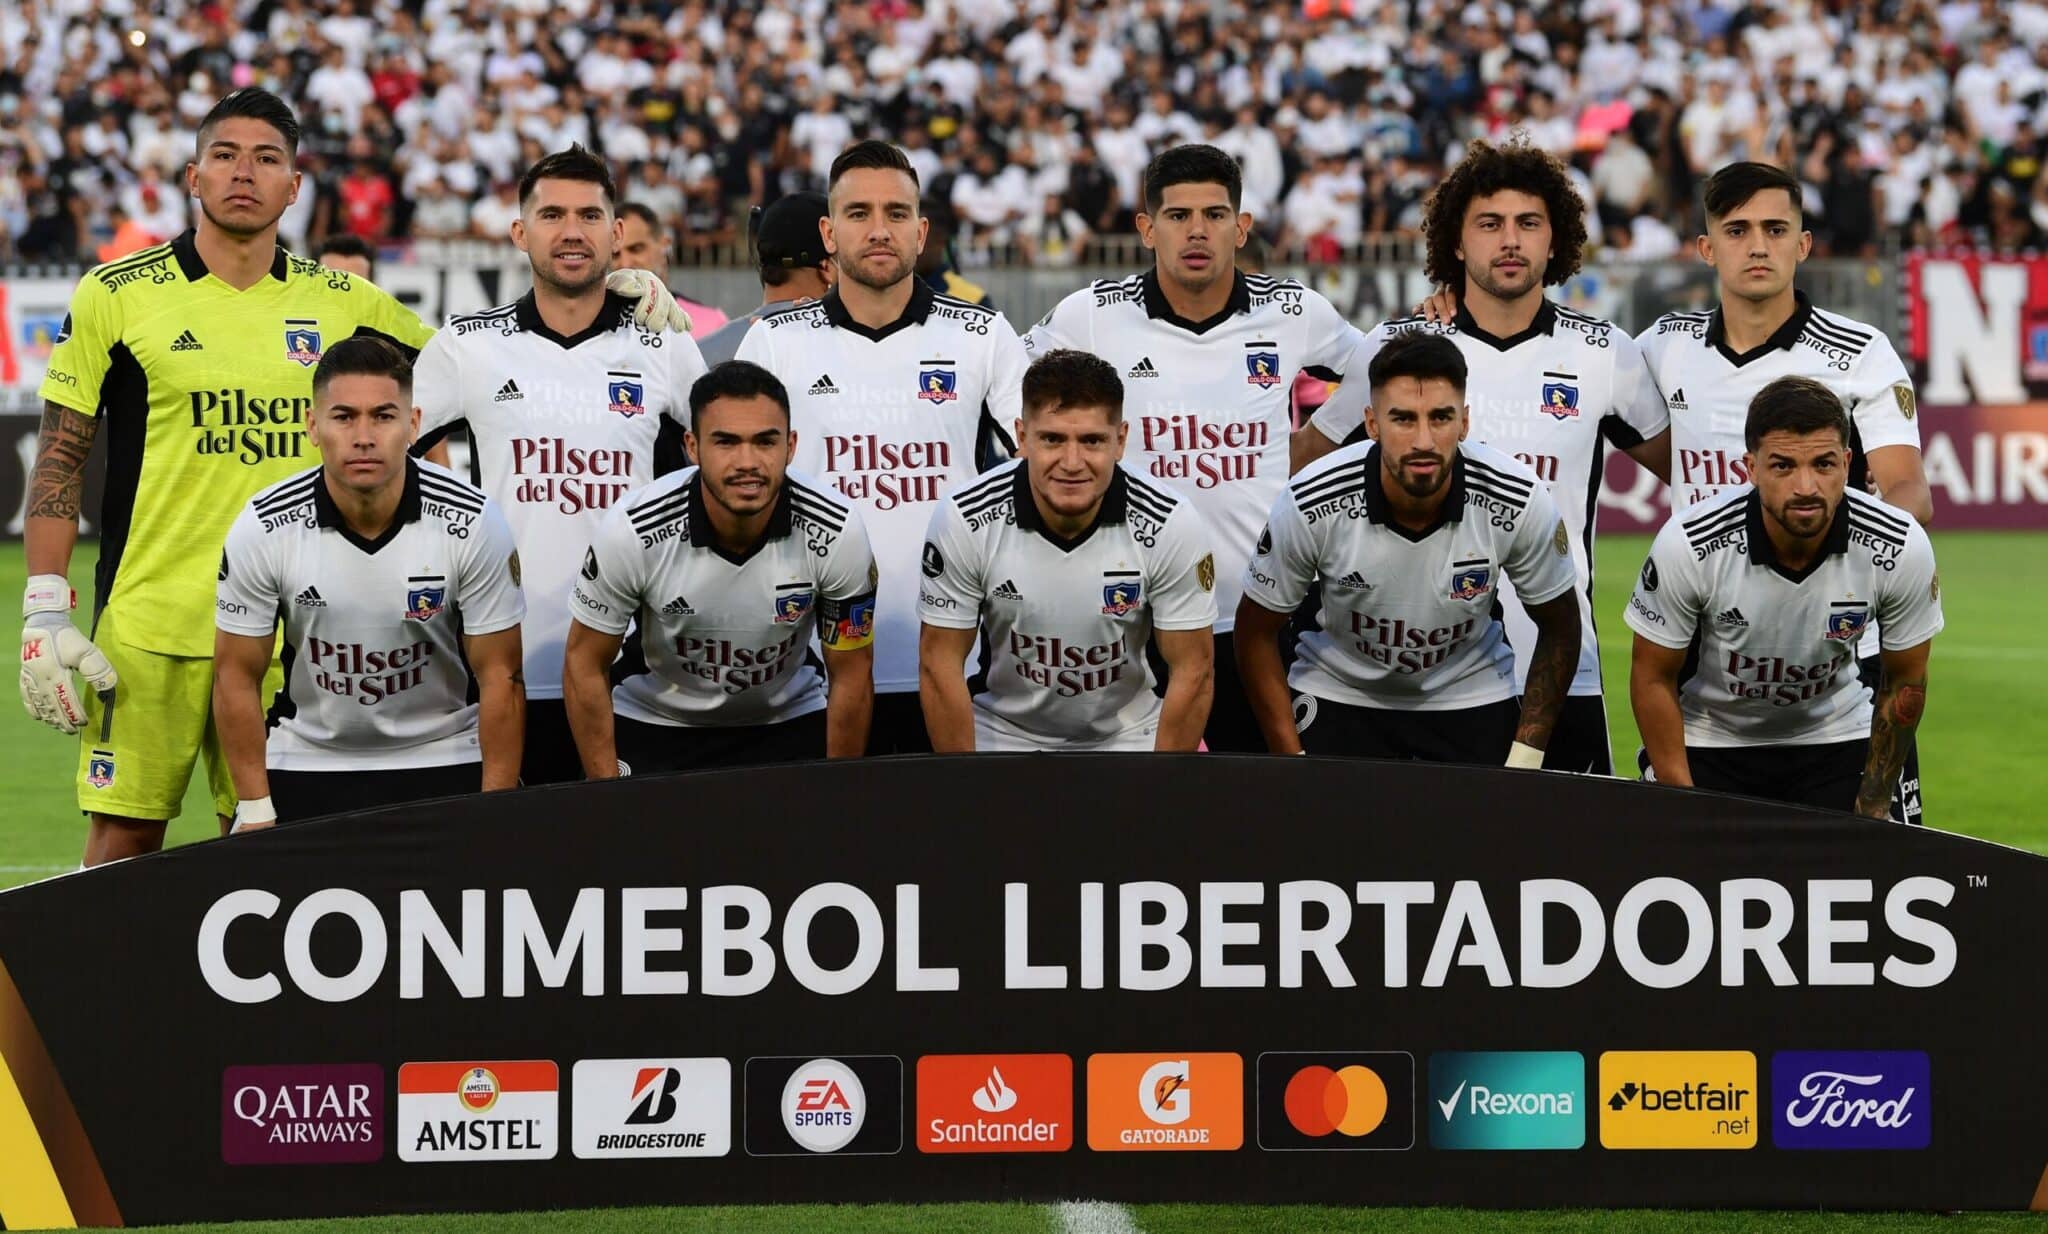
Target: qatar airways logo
(886,474)
(1067,668)
(551,472)
(1205,453)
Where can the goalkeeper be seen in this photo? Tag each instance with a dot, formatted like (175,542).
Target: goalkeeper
(195,358)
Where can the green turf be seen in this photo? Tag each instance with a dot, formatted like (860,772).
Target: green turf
(1982,773)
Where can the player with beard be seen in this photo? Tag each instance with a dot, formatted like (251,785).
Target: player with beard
(898,395)
(1549,385)
(193,359)
(564,395)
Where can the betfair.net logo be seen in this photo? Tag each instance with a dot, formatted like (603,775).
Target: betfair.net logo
(1678,1099)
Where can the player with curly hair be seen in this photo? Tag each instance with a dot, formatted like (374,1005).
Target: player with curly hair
(1549,385)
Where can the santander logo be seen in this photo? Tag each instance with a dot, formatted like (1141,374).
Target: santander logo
(994,1096)
(995,1103)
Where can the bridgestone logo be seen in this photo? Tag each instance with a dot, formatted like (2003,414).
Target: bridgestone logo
(639,1141)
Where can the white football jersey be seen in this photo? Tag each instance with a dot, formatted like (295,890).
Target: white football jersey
(1709,387)
(1777,648)
(1554,396)
(374,675)
(727,639)
(1407,618)
(1066,622)
(1208,401)
(562,428)
(892,420)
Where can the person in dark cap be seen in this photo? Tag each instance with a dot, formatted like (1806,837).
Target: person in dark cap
(935,265)
(794,266)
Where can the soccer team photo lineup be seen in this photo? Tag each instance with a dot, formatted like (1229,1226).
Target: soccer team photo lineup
(296,552)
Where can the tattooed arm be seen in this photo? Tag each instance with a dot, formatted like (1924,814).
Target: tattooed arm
(1894,721)
(56,486)
(1551,667)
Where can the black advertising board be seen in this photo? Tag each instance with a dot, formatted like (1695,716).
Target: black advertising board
(1127,978)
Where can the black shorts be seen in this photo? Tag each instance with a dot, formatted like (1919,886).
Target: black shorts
(648,749)
(1906,793)
(1579,742)
(1470,735)
(897,726)
(1232,728)
(300,795)
(1823,776)
(550,754)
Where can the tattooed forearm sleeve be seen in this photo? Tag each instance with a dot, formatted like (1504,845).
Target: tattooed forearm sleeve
(57,483)
(1893,723)
(1551,666)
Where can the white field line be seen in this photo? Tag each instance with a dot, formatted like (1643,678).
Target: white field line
(1091,1217)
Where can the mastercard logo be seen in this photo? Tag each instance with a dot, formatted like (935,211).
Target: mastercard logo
(1346,1101)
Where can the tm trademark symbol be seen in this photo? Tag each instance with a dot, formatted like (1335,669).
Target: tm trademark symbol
(1980,880)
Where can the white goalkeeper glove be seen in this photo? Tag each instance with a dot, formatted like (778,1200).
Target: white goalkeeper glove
(51,650)
(657,308)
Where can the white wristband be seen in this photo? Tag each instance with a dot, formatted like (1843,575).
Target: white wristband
(1527,757)
(253,810)
(47,593)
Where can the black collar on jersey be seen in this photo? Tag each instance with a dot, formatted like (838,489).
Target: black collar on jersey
(914,313)
(1764,553)
(1158,309)
(1114,508)
(617,311)
(1780,340)
(1545,323)
(702,535)
(1380,510)
(186,249)
(327,514)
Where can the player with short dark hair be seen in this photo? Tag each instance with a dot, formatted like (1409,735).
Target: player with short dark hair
(1773,582)
(898,396)
(566,398)
(397,586)
(730,566)
(789,251)
(646,244)
(1710,365)
(1552,386)
(191,359)
(1068,565)
(1209,356)
(1410,532)
(348,254)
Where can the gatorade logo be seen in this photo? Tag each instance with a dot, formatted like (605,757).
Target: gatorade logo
(1336,1101)
(1678,1099)
(1151,1102)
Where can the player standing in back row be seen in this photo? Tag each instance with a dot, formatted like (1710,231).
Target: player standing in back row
(1549,385)
(898,396)
(564,397)
(1710,365)
(1208,356)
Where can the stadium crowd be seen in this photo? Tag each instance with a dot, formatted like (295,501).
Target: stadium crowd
(1032,121)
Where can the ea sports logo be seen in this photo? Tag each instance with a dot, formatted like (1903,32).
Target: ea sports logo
(824,1105)
(478,1090)
(1350,1100)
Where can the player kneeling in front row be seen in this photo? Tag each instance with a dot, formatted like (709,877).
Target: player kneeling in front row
(1776,581)
(398,585)
(1411,532)
(730,565)
(1068,564)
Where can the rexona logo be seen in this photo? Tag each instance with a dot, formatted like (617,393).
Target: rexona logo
(502,1111)
(1678,1099)
(1191,1102)
(651,1107)
(311,1115)
(995,1103)
(1851,1099)
(1507,1099)
(851,1105)
(1336,1101)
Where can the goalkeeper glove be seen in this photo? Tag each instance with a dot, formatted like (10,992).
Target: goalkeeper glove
(657,309)
(51,650)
